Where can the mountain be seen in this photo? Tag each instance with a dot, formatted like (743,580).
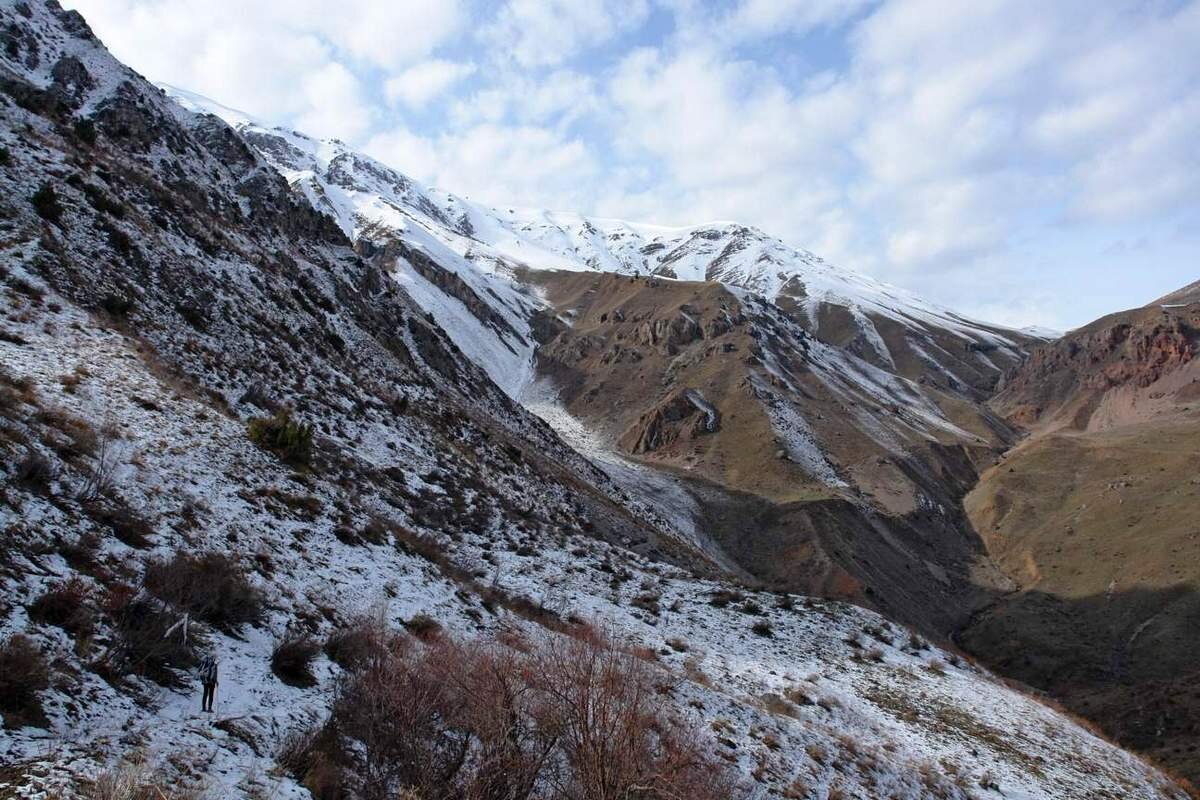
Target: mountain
(1092,516)
(226,427)
(740,378)
(885,325)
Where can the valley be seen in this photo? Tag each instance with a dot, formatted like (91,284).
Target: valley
(261,394)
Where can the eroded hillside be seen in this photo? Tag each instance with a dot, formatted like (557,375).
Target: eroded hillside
(1093,516)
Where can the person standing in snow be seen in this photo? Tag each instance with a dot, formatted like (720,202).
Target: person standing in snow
(208,678)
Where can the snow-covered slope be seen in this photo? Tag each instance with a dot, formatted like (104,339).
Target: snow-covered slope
(484,246)
(160,290)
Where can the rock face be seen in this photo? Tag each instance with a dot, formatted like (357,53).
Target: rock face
(1126,366)
(681,416)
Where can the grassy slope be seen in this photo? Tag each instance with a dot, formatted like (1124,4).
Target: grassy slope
(1100,531)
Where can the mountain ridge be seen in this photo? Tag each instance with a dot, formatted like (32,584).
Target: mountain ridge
(204,382)
(838,305)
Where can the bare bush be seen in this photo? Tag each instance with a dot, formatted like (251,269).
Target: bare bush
(568,718)
(101,474)
(362,642)
(24,672)
(617,730)
(142,642)
(210,586)
(128,525)
(423,626)
(292,658)
(66,604)
(36,471)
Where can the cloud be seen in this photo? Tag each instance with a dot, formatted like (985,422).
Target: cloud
(333,105)
(421,83)
(293,61)
(756,18)
(502,165)
(928,142)
(548,32)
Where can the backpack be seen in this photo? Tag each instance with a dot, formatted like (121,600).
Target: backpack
(208,670)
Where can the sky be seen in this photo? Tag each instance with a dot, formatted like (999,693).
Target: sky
(1021,161)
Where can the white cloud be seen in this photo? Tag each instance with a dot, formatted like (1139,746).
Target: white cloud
(333,104)
(556,99)
(419,84)
(774,17)
(297,61)
(548,32)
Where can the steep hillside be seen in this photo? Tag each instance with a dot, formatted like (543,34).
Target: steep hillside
(1093,518)
(1124,368)
(224,430)
(808,467)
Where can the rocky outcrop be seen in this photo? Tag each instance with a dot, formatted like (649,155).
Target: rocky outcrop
(682,415)
(1128,352)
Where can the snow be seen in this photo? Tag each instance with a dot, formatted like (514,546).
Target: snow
(367,198)
(892,720)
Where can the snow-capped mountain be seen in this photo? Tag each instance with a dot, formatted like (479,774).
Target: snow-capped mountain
(227,427)
(484,246)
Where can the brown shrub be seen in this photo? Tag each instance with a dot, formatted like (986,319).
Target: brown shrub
(312,757)
(36,471)
(67,605)
(292,658)
(289,439)
(141,644)
(363,641)
(570,718)
(24,672)
(423,626)
(126,524)
(210,586)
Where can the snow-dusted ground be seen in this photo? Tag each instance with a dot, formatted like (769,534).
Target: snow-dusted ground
(873,712)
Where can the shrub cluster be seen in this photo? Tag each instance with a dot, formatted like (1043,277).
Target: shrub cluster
(142,644)
(287,438)
(566,718)
(66,604)
(292,658)
(24,672)
(211,586)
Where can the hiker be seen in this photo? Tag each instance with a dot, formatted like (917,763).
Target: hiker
(208,677)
